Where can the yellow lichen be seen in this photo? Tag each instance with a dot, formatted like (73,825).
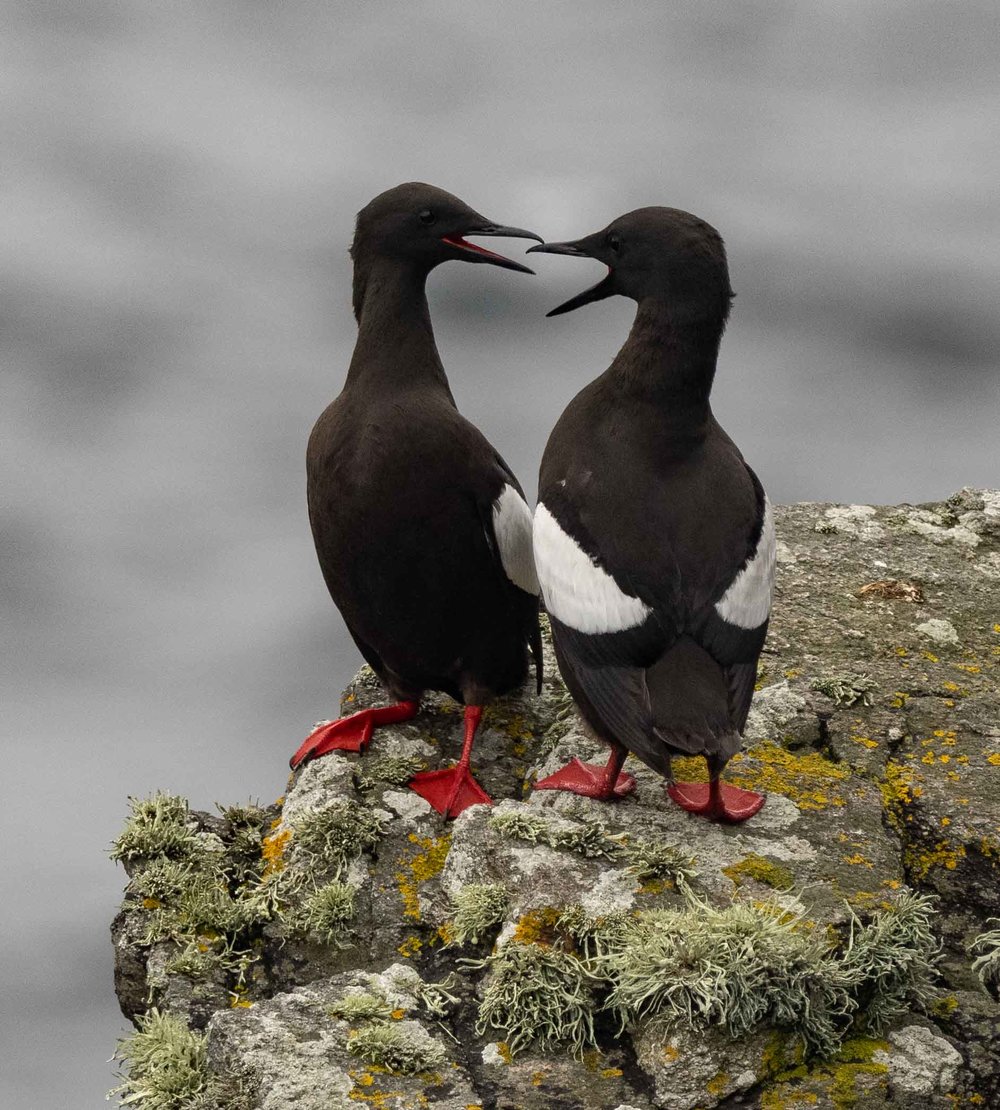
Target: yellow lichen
(410,947)
(858,860)
(423,866)
(430,862)
(920,861)
(944,1007)
(272,851)
(762,871)
(808,780)
(536,926)
(717,1085)
(611,1073)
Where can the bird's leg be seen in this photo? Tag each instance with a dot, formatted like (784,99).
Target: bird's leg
(352,733)
(590,779)
(453,789)
(715,799)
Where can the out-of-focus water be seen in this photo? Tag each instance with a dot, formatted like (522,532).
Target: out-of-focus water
(180,183)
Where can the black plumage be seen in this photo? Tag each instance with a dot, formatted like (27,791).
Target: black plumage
(653,538)
(406,497)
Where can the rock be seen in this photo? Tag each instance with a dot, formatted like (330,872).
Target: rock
(938,630)
(925,1064)
(557,952)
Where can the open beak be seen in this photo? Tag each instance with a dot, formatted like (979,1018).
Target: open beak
(476,253)
(578,249)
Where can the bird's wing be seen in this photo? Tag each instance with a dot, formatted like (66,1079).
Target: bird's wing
(507,526)
(508,531)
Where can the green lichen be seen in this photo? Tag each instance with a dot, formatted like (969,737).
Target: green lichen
(165,880)
(846,689)
(203,959)
(361,1006)
(326,912)
(243,833)
(204,906)
(479,907)
(586,837)
(539,995)
(437,999)
(158,826)
(392,770)
(167,1064)
(404,1049)
(746,966)
(741,967)
(649,860)
(206,898)
(327,840)
(891,961)
(762,871)
(986,950)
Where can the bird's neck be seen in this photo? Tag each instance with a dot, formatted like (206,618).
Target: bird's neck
(670,362)
(395,344)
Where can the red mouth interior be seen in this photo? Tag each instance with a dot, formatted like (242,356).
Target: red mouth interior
(458,241)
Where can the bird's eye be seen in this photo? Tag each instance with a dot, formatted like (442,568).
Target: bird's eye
(614,242)
(427,216)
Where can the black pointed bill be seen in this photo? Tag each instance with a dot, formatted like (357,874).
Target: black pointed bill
(604,288)
(477,253)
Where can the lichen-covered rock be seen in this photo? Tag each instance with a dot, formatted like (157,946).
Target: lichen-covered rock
(348,947)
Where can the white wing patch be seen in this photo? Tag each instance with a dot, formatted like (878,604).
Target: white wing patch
(512,528)
(576,590)
(747,602)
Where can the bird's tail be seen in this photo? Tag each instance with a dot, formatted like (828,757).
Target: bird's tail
(689,702)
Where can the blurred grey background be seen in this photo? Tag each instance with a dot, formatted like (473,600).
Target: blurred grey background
(180,182)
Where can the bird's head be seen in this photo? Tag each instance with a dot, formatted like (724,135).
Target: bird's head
(421,224)
(660,253)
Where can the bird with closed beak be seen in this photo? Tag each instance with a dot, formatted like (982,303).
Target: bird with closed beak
(421,529)
(653,539)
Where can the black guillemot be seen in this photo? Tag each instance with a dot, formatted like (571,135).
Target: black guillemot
(421,529)
(654,541)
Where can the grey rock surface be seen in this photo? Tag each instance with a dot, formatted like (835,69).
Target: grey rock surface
(877,743)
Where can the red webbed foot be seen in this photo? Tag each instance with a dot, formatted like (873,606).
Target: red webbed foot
(450,790)
(351,734)
(716,800)
(453,789)
(589,779)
